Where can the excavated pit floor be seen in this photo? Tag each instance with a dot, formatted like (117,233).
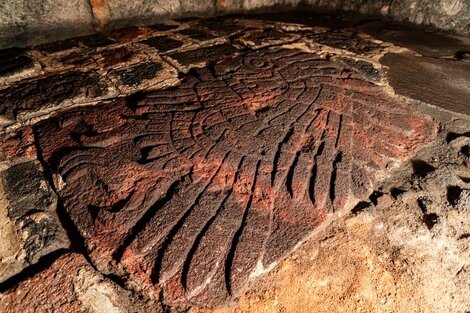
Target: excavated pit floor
(275,163)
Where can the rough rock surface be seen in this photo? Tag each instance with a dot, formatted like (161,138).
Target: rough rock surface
(29,223)
(251,155)
(70,284)
(425,78)
(406,249)
(430,43)
(43,20)
(24,23)
(444,14)
(201,157)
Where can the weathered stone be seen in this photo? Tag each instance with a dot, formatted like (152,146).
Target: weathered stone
(124,13)
(202,56)
(115,56)
(16,65)
(91,41)
(130,33)
(135,74)
(445,14)
(250,5)
(24,23)
(220,26)
(197,34)
(448,14)
(145,72)
(18,146)
(197,188)
(13,60)
(346,39)
(443,83)
(82,53)
(425,42)
(163,43)
(100,60)
(362,67)
(306,17)
(29,222)
(80,58)
(69,284)
(267,37)
(47,91)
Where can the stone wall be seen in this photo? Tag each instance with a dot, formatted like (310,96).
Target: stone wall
(453,15)
(28,22)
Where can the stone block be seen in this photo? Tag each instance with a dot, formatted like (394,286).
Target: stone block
(29,223)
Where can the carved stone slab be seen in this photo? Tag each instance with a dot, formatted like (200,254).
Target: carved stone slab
(197,188)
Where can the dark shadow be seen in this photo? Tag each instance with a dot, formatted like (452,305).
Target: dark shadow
(361,206)
(396,192)
(430,220)
(422,168)
(453,194)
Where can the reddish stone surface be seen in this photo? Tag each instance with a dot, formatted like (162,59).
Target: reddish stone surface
(51,290)
(18,145)
(195,189)
(69,284)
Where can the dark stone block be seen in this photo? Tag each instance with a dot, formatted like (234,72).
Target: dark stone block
(91,41)
(163,27)
(56,46)
(47,91)
(362,67)
(32,210)
(24,191)
(76,58)
(268,34)
(208,54)
(197,34)
(13,60)
(115,56)
(96,40)
(135,74)
(220,26)
(163,43)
